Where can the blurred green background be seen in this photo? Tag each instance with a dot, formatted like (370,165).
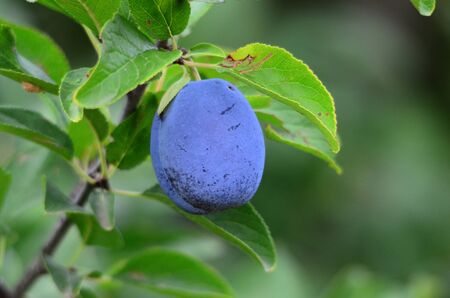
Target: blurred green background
(382,229)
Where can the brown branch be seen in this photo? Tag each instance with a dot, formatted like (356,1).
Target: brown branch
(79,196)
(4,291)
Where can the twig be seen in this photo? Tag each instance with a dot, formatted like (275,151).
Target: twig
(133,98)
(79,197)
(160,82)
(4,292)
(194,70)
(200,65)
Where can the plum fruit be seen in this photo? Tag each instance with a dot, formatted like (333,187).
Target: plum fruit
(207,148)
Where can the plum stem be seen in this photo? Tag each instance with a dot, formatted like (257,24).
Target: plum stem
(160,82)
(174,43)
(194,70)
(81,173)
(200,65)
(126,193)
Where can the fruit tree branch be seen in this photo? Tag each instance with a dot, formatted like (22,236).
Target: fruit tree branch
(79,196)
(4,291)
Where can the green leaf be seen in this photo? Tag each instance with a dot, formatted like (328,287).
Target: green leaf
(275,72)
(5,182)
(91,13)
(93,234)
(124,10)
(71,81)
(127,60)
(98,123)
(31,57)
(160,19)
(284,125)
(33,127)
(66,280)
(173,91)
(87,293)
(130,145)
(242,226)
(102,203)
(55,201)
(209,1)
(424,7)
(208,50)
(83,139)
(40,50)
(172,273)
(172,74)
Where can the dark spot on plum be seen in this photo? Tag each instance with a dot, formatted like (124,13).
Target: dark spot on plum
(225,176)
(227,109)
(181,148)
(234,127)
(230,88)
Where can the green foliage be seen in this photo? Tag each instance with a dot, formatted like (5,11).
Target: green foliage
(137,42)
(129,146)
(102,203)
(92,233)
(91,13)
(424,7)
(86,293)
(57,202)
(99,124)
(5,182)
(34,127)
(288,127)
(173,90)
(31,57)
(128,59)
(275,72)
(69,84)
(242,226)
(207,50)
(169,272)
(67,280)
(160,19)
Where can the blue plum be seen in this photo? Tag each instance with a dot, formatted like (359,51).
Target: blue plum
(207,148)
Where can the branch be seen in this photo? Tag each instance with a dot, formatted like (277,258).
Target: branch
(133,98)
(4,292)
(79,196)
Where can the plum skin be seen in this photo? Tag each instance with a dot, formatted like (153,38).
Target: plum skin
(207,148)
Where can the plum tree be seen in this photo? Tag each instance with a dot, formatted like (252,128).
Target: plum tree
(207,145)
(208,148)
